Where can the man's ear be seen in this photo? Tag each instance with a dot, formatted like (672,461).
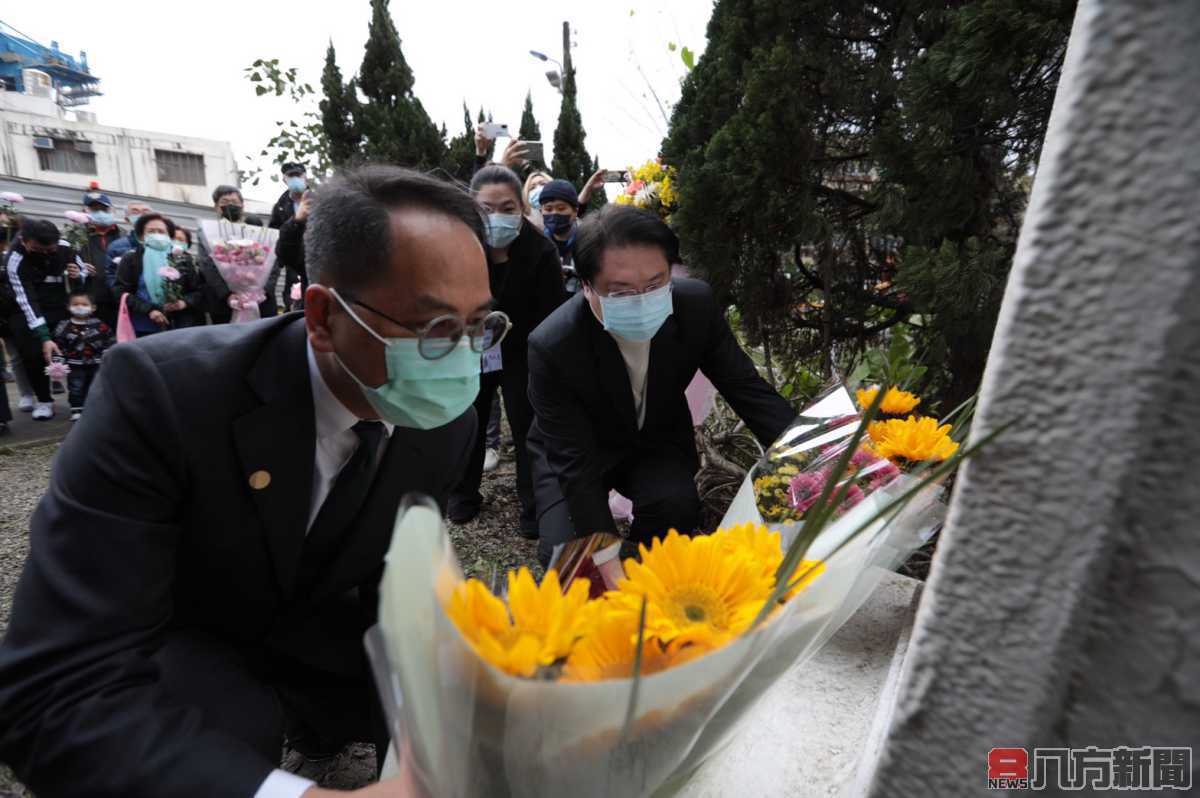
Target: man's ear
(318,306)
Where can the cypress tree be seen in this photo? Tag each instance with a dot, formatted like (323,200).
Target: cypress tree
(460,154)
(530,131)
(337,113)
(393,123)
(571,160)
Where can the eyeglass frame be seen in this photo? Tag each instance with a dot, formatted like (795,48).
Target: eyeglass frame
(423,331)
(633,292)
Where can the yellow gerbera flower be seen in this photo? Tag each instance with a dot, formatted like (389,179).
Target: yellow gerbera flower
(608,650)
(541,630)
(546,613)
(895,402)
(754,541)
(915,439)
(696,591)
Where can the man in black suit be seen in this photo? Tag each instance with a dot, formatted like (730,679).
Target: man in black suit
(607,374)
(206,558)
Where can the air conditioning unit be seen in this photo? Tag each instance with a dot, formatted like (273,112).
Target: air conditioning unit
(37,83)
(43,143)
(83,146)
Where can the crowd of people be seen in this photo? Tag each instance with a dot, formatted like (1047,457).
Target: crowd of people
(227,474)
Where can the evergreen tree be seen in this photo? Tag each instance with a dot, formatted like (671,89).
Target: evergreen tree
(530,131)
(337,113)
(599,198)
(571,160)
(393,123)
(841,170)
(460,154)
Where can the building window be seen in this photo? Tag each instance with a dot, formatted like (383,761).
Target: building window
(68,156)
(180,167)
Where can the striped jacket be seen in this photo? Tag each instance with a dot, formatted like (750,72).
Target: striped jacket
(37,282)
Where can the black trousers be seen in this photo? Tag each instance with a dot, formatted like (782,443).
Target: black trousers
(79,382)
(32,358)
(261,698)
(661,484)
(513,382)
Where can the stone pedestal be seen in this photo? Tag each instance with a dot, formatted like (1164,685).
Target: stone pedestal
(811,733)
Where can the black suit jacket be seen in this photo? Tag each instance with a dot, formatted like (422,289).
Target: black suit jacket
(584,420)
(150,524)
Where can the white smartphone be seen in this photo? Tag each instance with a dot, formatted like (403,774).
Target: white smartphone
(495,130)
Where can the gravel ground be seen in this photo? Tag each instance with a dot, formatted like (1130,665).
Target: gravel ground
(486,546)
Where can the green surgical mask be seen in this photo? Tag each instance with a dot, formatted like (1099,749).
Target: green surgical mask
(419,393)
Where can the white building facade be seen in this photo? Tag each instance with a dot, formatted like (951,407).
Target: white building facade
(39,140)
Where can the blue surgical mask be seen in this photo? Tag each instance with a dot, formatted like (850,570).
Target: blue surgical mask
(639,317)
(557,222)
(133,220)
(101,218)
(534,196)
(296,184)
(419,393)
(158,241)
(502,229)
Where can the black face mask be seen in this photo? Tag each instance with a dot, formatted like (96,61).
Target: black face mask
(232,213)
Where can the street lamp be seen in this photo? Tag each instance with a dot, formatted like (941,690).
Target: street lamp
(555,76)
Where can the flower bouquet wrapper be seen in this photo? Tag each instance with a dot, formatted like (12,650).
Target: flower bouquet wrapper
(244,254)
(472,730)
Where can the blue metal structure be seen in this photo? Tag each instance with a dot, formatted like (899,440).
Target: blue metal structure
(74,84)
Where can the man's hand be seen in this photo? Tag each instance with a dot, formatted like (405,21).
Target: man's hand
(159,318)
(305,207)
(90,269)
(593,184)
(49,350)
(73,271)
(175,307)
(514,154)
(483,144)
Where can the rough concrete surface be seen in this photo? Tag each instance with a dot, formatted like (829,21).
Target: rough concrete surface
(1064,605)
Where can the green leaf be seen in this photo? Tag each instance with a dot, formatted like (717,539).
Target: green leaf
(260,90)
(689,58)
(637,674)
(671,46)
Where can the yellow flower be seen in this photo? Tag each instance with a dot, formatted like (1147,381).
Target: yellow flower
(914,439)
(876,430)
(542,629)
(696,591)
(754,541)
(895,402)
(545,613)
(608,649)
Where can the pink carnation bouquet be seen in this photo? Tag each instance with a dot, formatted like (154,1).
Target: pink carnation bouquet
(244,266)
(57,371)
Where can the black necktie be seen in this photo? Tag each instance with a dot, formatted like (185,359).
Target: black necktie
(341,506)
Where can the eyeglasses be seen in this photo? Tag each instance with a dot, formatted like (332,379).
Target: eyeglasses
(628,292)
(439,337)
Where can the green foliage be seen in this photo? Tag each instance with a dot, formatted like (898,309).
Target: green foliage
(843,169)
(571,160)
(304,140)
(530,131)
(895,366)
(394,125)
(460,154)
(337,113)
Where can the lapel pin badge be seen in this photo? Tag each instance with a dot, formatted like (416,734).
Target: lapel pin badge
(260,480)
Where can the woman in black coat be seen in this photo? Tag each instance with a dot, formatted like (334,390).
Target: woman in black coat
(148,314)
(526,280)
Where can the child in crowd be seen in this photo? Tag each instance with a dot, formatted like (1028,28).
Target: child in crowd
(83,340)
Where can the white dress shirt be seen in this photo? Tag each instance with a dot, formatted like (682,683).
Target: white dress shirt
(335,445)
(636,355)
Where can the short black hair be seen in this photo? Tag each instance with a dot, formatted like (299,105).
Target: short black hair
(620,226)
(146,218)
(291,167)
(347,239)
(221,191)
(40,231)
(186,234)
(80,292)
(497,174)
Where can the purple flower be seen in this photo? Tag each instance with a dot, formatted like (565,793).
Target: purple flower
(169,273)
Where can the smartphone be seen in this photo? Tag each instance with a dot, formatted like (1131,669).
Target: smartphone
(616,176)
(495,130)
(534,152)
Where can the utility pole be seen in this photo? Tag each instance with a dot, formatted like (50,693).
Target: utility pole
(566,49)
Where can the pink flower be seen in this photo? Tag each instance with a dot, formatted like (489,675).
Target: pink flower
(169,273)
(882,474)
(853,496)
(58,371)
(11,197)
(805,489)
(296,293)
(76,217)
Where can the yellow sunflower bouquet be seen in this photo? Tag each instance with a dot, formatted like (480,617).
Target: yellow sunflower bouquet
(527,688)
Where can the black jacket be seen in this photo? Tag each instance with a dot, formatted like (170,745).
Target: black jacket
(157,474)
(528,287)
(129,272)
(96,254)
(38,284)
(584,422)
(282,211)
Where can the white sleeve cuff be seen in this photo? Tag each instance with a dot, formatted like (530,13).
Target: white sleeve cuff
(281,784)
